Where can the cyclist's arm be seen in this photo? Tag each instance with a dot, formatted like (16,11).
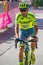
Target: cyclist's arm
(16,26)
(35,24)
(36,28)
(17,30)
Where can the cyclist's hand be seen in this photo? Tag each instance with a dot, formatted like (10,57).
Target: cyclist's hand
(37,38)
(16,41)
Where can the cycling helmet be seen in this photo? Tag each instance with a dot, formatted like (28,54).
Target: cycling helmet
(23,5)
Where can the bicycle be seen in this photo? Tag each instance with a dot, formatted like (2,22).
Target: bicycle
(27,50)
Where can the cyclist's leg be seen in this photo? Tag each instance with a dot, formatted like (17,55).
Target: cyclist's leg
(21,47)
(20,55)
(33,45)
(32,33)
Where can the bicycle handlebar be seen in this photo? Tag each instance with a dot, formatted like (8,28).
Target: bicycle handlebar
(17,40)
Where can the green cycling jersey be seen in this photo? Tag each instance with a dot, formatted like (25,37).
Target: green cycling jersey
(26,22)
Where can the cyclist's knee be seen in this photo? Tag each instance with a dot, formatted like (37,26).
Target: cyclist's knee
(21,48)
(33,44)
(34,38)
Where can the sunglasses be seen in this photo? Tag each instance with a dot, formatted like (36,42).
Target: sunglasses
(22,10)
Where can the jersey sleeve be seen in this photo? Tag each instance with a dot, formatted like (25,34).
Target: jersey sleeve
(16,19)
(34,19)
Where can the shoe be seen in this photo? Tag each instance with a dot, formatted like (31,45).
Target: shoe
(33,59)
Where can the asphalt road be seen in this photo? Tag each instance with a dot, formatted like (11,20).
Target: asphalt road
(8,53)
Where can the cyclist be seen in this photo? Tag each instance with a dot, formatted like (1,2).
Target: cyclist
(25,26)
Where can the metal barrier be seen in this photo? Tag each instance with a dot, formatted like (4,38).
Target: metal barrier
(40,23)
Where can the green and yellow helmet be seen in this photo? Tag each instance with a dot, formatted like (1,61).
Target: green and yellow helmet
(23,5)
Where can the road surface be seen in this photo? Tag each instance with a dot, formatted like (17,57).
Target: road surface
(8,53)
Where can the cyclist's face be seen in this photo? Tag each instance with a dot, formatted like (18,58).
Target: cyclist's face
(24,12)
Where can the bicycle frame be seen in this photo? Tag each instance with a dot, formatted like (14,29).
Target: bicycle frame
(27,60)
